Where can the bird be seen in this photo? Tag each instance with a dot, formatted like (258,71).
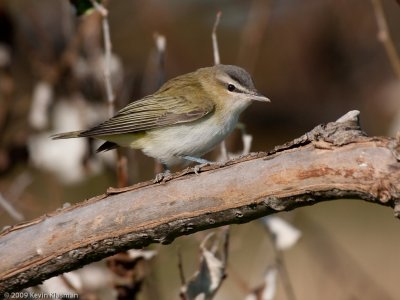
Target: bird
(186,118)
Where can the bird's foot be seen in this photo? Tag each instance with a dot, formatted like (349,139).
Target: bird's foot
(197,168)
(161,176)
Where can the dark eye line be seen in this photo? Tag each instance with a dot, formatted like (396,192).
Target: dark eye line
(235,89)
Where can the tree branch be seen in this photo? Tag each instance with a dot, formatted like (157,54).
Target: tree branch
(332,161)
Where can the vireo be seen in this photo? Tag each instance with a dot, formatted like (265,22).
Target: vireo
(183,120)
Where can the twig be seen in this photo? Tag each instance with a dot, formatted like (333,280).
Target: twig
(107,71)
(160,42)
(267,289)
(14,193)
(19,185)
(67,282)
(122,176)
(122,169)
(281,265)
(100,8)
(108,51)
(223,149)
(217,61)
(180,267)
(16,215)
(225,250)
(385,37)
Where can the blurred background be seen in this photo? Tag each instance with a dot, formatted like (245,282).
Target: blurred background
(314,59)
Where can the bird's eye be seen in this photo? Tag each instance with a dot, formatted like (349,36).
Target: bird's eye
(231,87)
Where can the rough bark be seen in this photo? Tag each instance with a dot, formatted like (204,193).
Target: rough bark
(333,161)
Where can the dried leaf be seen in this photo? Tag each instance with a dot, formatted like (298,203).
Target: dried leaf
(206,281)
(284,233)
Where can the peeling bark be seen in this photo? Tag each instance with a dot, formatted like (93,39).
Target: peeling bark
(332,161)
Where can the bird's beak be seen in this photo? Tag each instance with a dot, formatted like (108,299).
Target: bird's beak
(258,97)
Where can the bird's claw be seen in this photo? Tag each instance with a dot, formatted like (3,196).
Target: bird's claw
(197,168)
(161,176)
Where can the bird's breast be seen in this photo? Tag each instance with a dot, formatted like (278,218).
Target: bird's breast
(192,139)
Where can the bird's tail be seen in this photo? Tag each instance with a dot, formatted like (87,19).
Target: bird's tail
(67,135)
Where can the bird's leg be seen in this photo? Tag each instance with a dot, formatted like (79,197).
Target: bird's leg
(201,161)
(195,159)
(161,176)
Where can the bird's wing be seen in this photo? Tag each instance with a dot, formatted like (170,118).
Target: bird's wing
(149,113)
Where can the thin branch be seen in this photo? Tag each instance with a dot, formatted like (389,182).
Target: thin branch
(14,193)
(100,8)
(224,151)
(122,169)
(281,266)
(108,53)
(385,37)
(283,236)
(122,174)
(267,289)
(225,252)
(302,172)
(10,209)
(180,267)
(217,60)
(19,186)
(107,68)
(161,43)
